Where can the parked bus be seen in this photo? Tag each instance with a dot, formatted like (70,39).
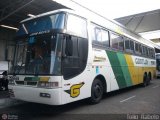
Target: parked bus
(63,56)
(158,64)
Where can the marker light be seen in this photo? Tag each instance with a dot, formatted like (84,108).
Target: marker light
(43,84)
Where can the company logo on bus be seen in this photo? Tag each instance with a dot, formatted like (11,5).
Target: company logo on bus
(141,61)
(75,90)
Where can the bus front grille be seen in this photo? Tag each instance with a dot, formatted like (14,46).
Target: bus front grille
(20,82)
(32,83)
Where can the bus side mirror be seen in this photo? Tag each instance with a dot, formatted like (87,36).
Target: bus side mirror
(5,73)
(69,46)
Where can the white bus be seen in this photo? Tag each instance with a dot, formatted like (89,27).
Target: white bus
(63,56)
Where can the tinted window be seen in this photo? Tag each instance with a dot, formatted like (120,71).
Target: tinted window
(136,47)
(147,52)
(132,45)
(143,50)
(71,46)
(117,41)
(127,44)
(77,25)
(74,62)
(99,36)
(75,47)
(121,44)
(151,53)
(140,48)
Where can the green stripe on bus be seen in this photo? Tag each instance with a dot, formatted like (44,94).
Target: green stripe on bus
(124,67)
(115,64)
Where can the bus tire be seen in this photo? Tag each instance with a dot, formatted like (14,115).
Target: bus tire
(96,92)
(149,77)
(145,80)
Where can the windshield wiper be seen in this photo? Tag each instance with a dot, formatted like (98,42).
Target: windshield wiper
(24,27)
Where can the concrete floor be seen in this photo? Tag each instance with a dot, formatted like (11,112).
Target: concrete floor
(128,103)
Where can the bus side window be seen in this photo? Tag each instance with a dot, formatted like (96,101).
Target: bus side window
(117,41)
(121,44)
(69,46)
(105,38)
(74,56)
(93,36)
(153,53)
(96,35)
(77,25)
(127,45)
(99,36)
(132,46)
(136,48)
(70,59)
(143,50)
(140,49)
(147,51)
(150,52)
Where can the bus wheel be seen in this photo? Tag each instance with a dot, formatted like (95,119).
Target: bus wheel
(149,77)
(145,80)
(96,91)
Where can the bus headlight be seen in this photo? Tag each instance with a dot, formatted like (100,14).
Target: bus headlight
(47,84)
(11,79)
(14,78)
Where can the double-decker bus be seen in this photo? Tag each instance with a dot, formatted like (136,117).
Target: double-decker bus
(64,56)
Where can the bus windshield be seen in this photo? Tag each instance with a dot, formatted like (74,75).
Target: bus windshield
(41,24)
(37,55)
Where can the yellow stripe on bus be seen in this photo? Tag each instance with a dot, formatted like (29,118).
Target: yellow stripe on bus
(132,69)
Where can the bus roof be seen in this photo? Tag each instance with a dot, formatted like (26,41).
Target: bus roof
(45,14)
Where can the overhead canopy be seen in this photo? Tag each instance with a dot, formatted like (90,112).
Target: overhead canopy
(12,12)
(143,22)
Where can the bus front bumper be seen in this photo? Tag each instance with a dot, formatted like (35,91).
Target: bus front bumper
(36,95)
